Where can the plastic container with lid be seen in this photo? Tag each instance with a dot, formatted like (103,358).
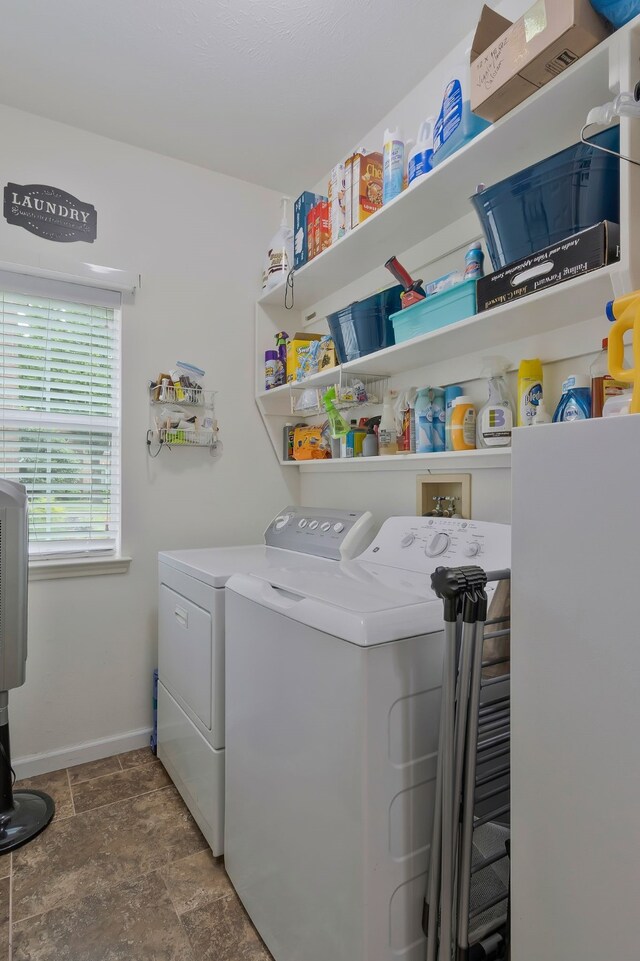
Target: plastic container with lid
(365,326)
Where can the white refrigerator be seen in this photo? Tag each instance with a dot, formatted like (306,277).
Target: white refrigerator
(575,704)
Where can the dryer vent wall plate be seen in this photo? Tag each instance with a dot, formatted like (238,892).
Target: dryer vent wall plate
(447,489)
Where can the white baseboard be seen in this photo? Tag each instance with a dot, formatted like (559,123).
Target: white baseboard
(34,764)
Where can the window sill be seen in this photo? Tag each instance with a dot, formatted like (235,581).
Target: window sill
(77,567)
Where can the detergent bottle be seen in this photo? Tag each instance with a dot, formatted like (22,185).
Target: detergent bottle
(529,390)
(456,124)
(624,312)
(575,403)
(463,424)
(387,437)
(495,420)
(424,437)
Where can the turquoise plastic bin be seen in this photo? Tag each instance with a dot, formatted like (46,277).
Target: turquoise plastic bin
(435,312)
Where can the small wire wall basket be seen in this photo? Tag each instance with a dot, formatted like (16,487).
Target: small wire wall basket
(351,392)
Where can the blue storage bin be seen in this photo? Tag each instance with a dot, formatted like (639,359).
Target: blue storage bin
(551,200)
(435,312)
(617,12)
(365,326)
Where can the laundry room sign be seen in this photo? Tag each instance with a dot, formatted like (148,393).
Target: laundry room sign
(50,213)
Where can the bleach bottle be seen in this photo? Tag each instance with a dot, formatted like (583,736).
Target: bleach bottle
(421,155)
(456,124)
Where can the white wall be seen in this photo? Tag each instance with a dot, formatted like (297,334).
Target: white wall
(197,238)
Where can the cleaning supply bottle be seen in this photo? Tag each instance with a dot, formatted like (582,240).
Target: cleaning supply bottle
(473,261)
(463,424)
(450,394)
(542,415)
(387,438)
(392,164)
(370,443)
(575,403)
(529,390)
(603,385)
(409,424)
(337,423)
(281,346)
(495,419)
(456,124)
(424,439)
(420,156)
(437,416)
(279,259)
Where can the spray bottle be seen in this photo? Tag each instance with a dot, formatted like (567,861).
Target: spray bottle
(279,260)
(495,419)
(337,423)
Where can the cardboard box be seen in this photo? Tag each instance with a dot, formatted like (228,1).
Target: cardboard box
(577,255)
(363,187)
(322,227)
(510,61)
(297,349)
(305,202)
(336,194)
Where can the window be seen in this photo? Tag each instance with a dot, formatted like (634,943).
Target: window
(60,423)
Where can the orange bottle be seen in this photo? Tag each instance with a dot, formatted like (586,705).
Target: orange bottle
(463,424)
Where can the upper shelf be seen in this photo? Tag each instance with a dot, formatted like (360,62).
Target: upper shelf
(559,109)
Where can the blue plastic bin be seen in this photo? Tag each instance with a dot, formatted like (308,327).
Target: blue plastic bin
(617,12)
(365,326)
(435,312)
(551,200)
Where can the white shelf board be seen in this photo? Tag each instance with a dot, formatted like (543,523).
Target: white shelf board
(496,457)
(548,310)
(556,112)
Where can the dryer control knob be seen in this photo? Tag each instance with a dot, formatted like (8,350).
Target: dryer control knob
(437,545)
(339,527)
(313,525)
(282,521)
(407,540)
(325,527)
(302,523)
(471,549)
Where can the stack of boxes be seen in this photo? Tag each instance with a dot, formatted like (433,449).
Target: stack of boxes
(355,192)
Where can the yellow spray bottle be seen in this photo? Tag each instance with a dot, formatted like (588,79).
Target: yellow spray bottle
(624,312)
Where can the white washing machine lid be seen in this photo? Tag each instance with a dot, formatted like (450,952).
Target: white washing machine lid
(347,601)
(215,565)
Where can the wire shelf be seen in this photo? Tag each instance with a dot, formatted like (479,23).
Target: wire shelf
(181,396)
(352,392)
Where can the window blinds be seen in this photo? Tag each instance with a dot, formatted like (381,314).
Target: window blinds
(60,425)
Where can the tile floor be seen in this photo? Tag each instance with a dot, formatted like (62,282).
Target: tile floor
(121,874)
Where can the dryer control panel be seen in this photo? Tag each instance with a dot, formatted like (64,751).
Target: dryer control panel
(337,534)
(422,544)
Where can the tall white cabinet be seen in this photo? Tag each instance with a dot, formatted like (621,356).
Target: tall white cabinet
(575,705)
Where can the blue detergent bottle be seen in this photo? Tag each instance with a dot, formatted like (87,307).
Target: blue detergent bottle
(575,403)
(456,124)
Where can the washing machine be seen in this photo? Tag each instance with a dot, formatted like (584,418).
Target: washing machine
(191,643)
(333,704)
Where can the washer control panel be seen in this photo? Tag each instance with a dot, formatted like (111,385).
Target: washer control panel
(323,532)
(423,543)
